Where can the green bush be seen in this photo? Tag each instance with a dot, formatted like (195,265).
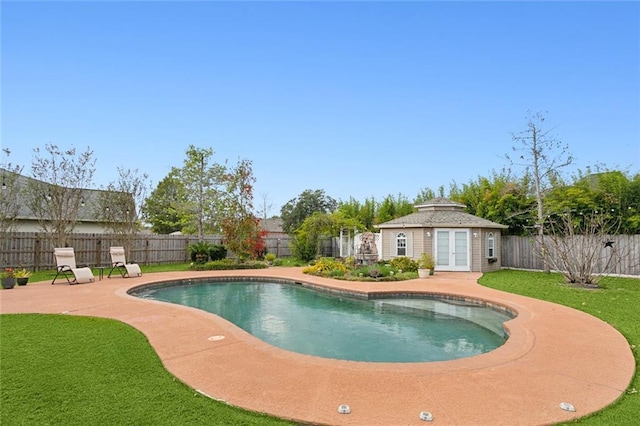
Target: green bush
(226,265)
(426,261)
(269,257)
(217,252)
(336,273)
(325,267)
(404,263)
(199,252)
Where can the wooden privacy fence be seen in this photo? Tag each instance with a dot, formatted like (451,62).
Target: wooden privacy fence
(33,251)
(521,253)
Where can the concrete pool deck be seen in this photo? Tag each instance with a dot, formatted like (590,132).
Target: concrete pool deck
(554,354)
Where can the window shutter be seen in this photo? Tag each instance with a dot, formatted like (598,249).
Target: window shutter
(393,244)
(409,244)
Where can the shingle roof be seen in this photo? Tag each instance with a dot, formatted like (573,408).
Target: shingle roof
(86,213)
(441,213)
(271,225)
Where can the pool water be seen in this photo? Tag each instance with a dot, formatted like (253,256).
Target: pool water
(307,321)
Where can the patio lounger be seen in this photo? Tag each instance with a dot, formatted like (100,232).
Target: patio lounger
(119,262)
(66,266)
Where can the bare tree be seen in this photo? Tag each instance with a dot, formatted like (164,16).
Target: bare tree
(265,206)
(10,191)
(543,156)
(583,247)
(120,204)
(55,194)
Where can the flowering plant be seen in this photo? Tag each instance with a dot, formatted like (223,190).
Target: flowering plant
(8,273)
(21,273)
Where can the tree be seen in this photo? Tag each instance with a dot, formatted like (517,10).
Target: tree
(543,156)
(611,192)
(10,192)
(202,185)
(424,195)
(364,214)
(308,237)
(241,229)
(295,211)
(120,204)
(161,208)
(265,206)
(500,198)
(392,208)
(581,247)
(55,195)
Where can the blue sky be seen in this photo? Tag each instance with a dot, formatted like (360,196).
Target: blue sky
(360,99)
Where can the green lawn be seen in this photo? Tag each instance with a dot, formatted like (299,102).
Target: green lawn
(617,303)
(67,370)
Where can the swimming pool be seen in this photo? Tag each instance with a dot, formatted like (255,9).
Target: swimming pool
(298,318)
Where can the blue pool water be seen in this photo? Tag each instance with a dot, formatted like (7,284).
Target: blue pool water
(303,320)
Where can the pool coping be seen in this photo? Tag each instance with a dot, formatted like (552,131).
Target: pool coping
(554,354)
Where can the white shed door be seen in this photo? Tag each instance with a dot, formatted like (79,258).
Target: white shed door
(452,250)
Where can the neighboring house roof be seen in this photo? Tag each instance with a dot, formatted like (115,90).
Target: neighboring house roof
(273,225)
(87,213)
(440,213)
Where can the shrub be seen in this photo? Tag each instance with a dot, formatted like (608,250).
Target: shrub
(426,261)
(199,252)
(217,252)
(225,265)
(404,263)
(325,267)
(270,257)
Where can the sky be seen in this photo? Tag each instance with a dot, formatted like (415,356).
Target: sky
(358,99)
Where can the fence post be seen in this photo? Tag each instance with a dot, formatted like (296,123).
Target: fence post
(98,252)
(37,247)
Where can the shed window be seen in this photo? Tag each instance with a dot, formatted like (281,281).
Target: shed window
(401,244)
(491,251)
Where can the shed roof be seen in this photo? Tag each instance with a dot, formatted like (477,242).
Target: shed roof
(440,213)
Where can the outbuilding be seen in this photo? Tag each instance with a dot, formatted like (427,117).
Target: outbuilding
(458,241)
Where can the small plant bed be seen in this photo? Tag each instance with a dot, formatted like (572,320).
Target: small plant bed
(398,269)
(226,265)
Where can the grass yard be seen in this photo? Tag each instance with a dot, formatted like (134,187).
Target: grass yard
(76,370)
(617,303)
(67,370)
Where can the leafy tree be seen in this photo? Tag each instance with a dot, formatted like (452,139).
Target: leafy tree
(295,211)
(306,244)
(364,213)
(500,198)
(202,190)
(55,195)
(611,192)
(392,208)
(161,208)
(424,195)
(120,203)
(241,229)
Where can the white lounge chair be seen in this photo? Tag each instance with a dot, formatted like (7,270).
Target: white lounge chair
(119,262)
(66,265)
